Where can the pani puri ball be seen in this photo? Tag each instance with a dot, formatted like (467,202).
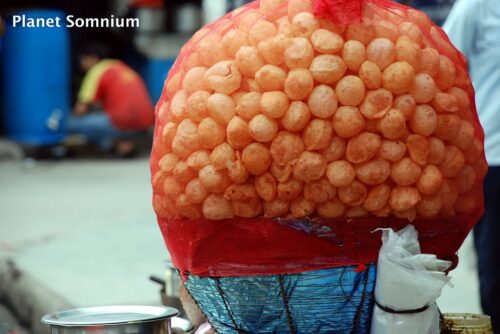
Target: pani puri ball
(328,69)
(274,104)
(211,133)
(466,179)
(297,116)
(188,209)
(273,49)
(481,169)
(462,98)
(301,207)
(465,136)
(404,198)
(363,147)
(237,96)
(350,90)
(353,194)
(387,29)
(424,88)
(408,51)
(377,197)
(429,206)
(466,204)
(276,208)
(247,209)
(348,121)
(453,162)
(354,54)
(183,173)
(195,80)
(199,159)
(238,133)
(317,134)
(319,191)
(197,105)
(327,24)
(406,104)
(423,121)
(410,214)
(215,181)
(237,171)
(392,125)
(299,84)
(429,61)
(430,181)
(216,207)
(436,151)
(187,139)
(287,146)
(447,73)
(405,172)
(376,104)
(172,188)
(263,129)
(222,155)
(398,77)
(418,149)
(175,83)
(448,126)
(261,30)
(335,150)
(475,152)
(448,193)
(299,54)
(322,102)
(265,186)
(234,40)
(224,77)
(241,192)
(373,172)
(168,162)
(340,173)
(357,212)
(444,102)
(289,190)
(371,75)
(281,173)
(304,24)
(248,61)
(256,158)
(384,213)
(210,49)
(381,52)
(221,108)
(271,78)
(196,192)
(411,30)
(298,6)
(164,207)
(360,32)
(250,85)
(309,167)
(392,150)
(333,208)
(247,21)
(326,42)
(178,105)
(249,105)
(157,181)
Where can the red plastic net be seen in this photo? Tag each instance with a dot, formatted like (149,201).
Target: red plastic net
(288,131)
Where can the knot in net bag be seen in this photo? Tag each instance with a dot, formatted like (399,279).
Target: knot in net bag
(286,133)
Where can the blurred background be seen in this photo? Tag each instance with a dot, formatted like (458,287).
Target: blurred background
(76,224)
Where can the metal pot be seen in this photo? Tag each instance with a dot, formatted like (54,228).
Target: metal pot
(112,320)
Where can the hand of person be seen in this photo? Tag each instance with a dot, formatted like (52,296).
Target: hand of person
(81,108)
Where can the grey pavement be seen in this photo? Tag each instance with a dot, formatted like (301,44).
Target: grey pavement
(83,233)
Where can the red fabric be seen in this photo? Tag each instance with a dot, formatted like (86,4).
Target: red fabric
(148,3)
(125,98)
(339,11)
(263,246)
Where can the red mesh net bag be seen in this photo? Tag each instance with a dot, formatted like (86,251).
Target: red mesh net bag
(288,131)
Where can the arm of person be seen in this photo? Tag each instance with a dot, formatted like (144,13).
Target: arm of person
(461,25)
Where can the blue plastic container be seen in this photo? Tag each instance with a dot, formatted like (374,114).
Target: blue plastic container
(35,80)
(154,72)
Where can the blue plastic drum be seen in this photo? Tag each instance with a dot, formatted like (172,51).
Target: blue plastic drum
(35,80)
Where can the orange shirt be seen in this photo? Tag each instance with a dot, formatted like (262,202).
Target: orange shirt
(121,92)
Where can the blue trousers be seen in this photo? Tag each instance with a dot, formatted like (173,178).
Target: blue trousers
(487,242)
(98,129)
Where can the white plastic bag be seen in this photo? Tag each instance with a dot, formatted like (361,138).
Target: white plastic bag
(407,281)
